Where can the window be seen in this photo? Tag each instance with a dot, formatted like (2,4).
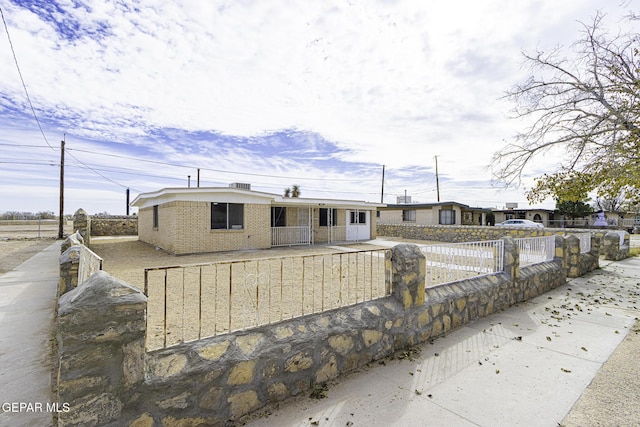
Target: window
(278,216)
(447,217)
(409,215)
(227,216)
(155,216)
(324,217)
(358,217)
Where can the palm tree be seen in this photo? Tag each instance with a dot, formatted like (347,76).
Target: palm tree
(295,192)
(287,192)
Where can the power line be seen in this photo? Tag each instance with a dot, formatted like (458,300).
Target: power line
(210,169)
(24,86)
(23,145)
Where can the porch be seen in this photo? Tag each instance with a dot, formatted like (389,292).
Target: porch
(310,225)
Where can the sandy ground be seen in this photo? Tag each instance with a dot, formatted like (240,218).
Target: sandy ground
(193,299)
(18,243)
(126,257)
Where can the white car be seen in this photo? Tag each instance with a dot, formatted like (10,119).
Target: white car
(520,223)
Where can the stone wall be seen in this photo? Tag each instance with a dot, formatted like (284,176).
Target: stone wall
(114,225)
(472,233)
(77,263)
(106,377)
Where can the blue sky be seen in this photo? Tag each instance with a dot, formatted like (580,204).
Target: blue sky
(272,93)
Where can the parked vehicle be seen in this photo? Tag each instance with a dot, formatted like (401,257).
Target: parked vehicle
(519,223)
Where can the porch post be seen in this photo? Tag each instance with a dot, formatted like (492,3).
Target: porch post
(311,240)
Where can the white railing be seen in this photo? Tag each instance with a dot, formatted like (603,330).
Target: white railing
(187,303)
(453,262)
(585,242)
(630,222)
(534,250)
(289,236)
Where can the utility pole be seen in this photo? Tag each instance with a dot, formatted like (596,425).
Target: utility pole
(437,181)
(382,192)
(127,202)
(189,181)
(198,178)
(61,218)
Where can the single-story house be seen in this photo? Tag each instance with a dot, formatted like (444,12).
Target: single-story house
(441,213)
(214,219)
(542,216)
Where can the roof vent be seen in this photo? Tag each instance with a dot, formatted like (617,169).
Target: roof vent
(240,185)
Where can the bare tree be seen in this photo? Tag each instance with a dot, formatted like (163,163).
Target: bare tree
(610,205)
(587,105)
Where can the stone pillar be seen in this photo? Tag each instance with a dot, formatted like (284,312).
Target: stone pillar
(101,332)
(596,243)
(562,251)
(69,269)
(82,225)
(511,259)
(572,255)
(408,274)
(613,250)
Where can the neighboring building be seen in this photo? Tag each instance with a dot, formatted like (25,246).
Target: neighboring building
(214,219)
(446,213)
(542,216)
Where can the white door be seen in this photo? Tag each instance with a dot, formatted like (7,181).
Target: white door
(358,225)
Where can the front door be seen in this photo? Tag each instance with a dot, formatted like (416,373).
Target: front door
(358,225)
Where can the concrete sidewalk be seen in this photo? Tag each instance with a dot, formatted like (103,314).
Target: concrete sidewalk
(526,366)
(27,303)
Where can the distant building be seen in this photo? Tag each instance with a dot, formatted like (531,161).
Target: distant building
(441,213)
(545,217)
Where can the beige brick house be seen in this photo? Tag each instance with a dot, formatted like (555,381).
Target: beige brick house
(214,219)
(441,213)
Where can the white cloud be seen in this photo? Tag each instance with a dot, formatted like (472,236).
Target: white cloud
(363,83)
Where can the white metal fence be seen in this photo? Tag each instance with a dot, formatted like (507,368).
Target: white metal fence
(451,262)
(534,250)
(290,236)
(187,303)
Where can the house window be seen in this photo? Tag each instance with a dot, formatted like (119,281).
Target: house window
(358,217)
(278,216)
(447,217)
(155,216)
(409,215)
(227,216)
(324,217)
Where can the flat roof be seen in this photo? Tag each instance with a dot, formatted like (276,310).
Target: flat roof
(240,195)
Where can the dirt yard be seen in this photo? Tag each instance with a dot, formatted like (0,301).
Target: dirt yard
(126,257)
(18,243)
(249,288)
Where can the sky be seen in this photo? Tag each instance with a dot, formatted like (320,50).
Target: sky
(323,95)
